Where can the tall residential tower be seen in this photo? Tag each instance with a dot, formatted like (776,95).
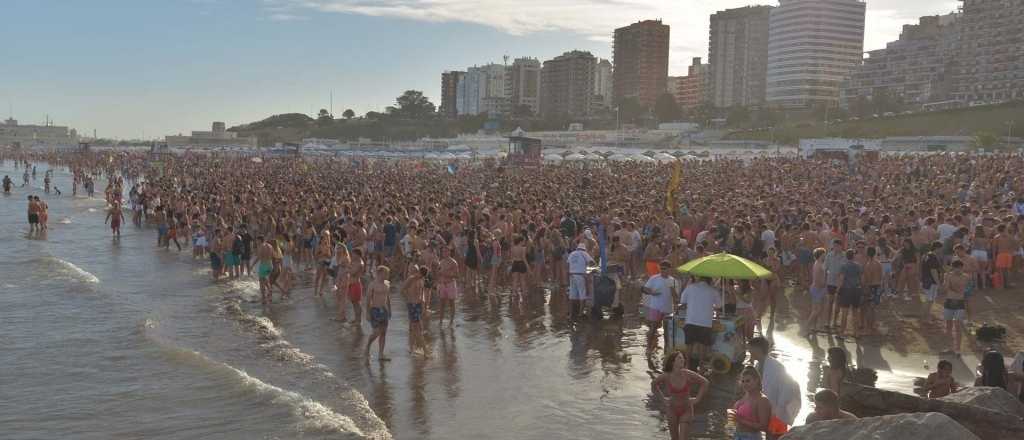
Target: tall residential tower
(567,84)
(813,45)
(641,61)
(738,55)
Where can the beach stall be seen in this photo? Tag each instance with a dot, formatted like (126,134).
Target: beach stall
(728,348)
(524,151)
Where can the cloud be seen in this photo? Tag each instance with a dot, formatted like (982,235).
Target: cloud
(595,20)
(280,16)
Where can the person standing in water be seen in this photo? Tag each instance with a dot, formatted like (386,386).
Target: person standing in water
(33,215)
(7,184)
(673,386)
(753,412)
(265,260)
(115,217)
(378,312)
(414,299)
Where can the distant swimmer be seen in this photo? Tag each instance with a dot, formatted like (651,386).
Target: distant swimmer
(115,217)
(7,184)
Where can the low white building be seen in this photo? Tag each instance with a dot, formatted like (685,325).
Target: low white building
(51,136)
(218,137)
(832,146)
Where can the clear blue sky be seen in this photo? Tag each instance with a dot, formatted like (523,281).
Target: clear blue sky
(156,67)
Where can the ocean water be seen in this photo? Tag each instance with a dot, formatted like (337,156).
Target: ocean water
(119,339)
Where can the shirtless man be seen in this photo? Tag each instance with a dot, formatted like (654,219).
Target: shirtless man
(415,296)
(33,215)
(818,291)
(1005,246)
(941,383)
(115,217)
(447,287)
(872,290)
(954,309)
(356,269)
(265,260)
(971,268)
(378,311)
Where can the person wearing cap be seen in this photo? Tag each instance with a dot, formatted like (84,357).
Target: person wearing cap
(578,261)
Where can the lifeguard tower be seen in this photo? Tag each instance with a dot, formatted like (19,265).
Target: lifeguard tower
(522,150)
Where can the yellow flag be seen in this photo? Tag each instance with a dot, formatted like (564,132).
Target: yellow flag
(673,183)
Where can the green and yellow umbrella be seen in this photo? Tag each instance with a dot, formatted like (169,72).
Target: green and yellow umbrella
(727,266)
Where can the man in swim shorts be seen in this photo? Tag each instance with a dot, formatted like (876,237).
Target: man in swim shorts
(1006,245)
(33,215)
(378,311)
(413,290)
(265,260)
(447,288)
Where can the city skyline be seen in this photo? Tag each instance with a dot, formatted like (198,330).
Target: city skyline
(128,70)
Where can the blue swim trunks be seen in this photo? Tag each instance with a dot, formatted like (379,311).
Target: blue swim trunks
(379,317)
(818,295)
(415,312)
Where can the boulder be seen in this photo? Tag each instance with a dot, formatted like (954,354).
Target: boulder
(932,426)
(993,398)
(985,423)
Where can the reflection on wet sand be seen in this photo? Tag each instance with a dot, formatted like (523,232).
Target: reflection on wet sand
(525,368)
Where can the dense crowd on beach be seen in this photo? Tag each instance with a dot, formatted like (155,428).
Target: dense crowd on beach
(854,237)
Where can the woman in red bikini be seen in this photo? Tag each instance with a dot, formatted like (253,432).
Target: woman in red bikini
(752,413)
(674,386)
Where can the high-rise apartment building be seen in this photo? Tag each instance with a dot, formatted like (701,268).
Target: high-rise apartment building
(694,88)
(641,61)
(523,86)
(450,93)
(990,60)
(738,55)
(494,100)
(913,70)
(813,45)
(604,83)
(567,84)
(674,86)
(482,90)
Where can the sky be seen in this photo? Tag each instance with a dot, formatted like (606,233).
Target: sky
(144,69)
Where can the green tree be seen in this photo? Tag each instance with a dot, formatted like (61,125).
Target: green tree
(737,116)
(324,117)
(703,113)
(630,110)
(349,114)
(985,139)
(522,111)
(666,109)
(413,105)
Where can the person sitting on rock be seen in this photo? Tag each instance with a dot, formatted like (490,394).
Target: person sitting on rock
(941,383)
(826,407)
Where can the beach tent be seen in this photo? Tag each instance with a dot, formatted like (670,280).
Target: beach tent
(575,156)
(663,157)
(553,158)
(594,156)
(642,158)
(620,158)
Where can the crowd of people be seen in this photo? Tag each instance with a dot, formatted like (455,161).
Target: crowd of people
(854,237)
